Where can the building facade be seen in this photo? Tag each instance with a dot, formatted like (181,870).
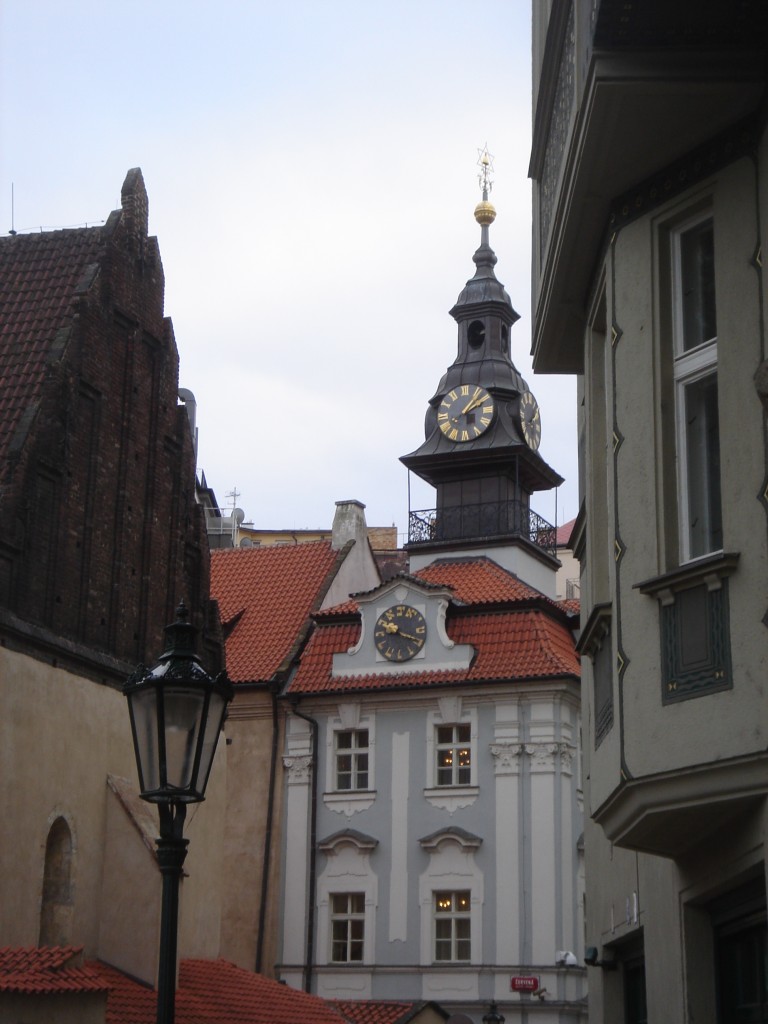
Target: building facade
(101,538)
(432,787)
(649,169)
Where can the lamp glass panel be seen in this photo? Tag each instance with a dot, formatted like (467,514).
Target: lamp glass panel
(144,712)
(183,711)
(216,710)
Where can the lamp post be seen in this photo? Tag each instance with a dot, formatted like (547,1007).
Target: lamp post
(493,1016)
(177,711)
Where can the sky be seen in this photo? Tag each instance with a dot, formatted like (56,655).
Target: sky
(312,170)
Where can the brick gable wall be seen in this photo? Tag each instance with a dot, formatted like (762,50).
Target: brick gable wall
(101,533)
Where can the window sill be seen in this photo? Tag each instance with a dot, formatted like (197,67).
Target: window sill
(451,798)
(711,569)
(350,801)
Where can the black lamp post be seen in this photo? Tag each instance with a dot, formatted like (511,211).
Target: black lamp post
(177,711)
(493,1016)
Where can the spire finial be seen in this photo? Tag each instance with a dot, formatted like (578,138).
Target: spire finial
(485,212)
(485,163)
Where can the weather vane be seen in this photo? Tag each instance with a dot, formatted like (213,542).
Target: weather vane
(485,163)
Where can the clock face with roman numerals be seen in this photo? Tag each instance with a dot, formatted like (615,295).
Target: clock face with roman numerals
(530,420)
(465,413)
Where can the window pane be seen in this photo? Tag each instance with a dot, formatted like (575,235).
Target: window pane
(357,903)
(697,265)
(702,440)
(445,734)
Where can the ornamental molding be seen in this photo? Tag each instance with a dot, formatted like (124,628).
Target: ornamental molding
(547,757)
(299,768)
(506,756)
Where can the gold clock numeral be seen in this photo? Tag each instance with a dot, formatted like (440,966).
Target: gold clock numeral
(484,420)
(453,434)
(442,416)
(452,395)
(465,435)
(464,389)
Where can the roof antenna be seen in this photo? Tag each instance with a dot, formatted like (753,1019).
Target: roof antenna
(13,226)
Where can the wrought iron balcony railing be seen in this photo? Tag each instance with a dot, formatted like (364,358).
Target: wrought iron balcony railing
(491,519)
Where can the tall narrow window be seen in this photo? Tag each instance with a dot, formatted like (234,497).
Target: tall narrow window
(347,927)
(454,755)
(696,406)
(352,759)
(57,904)
(452,926)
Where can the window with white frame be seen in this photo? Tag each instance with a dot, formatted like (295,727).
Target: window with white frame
(347,927)
(695,376)
(453,748)
(351,759)
(453,926)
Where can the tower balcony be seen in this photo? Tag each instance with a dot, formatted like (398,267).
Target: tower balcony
(487,522)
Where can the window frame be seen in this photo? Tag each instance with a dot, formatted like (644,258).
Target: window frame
(690,366)
(350,918)
(355,752)
(454,916)
(460,774)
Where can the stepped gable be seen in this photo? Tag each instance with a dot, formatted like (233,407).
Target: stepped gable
(266,596)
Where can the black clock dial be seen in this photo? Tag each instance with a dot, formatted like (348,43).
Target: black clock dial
(465,413)
(530,420)
(400,632)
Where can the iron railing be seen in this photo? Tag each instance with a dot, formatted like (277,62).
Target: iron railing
(491,519)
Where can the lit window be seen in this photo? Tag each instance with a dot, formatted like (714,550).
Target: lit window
(454,755)
(452,926)
(352,759)
(696,407)
(347,927)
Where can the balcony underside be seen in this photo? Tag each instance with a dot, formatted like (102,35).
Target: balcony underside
(671,814)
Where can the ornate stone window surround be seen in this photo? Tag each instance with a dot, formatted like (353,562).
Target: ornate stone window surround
(450,711)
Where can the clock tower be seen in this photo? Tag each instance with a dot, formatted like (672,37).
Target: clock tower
(482,434)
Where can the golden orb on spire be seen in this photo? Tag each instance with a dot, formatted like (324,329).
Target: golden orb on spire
(485,213)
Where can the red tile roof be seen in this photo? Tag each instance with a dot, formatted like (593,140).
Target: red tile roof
(216,991)
(478,581)
(510,645)
(47,971)
(371,1011)
(39,278)
(266,596)
(564,532)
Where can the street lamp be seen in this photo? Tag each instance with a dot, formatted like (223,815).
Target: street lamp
(177,711)
(493,1016)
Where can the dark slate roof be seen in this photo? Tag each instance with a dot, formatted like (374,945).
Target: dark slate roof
(41,278)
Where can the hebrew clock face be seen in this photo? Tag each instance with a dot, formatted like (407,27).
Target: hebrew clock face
(465,413)
(530,420)
(400,632)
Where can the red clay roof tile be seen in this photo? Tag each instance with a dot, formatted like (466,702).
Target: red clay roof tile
(47,971)
(214,990)
(510,645)
(373,1011)
(266,596)
(478,581)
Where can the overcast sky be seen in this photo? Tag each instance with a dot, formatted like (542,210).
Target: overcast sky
(311,170)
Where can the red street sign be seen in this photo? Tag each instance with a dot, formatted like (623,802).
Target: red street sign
(524,983)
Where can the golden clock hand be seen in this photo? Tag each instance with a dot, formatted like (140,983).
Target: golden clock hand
(409,637)
(472,404)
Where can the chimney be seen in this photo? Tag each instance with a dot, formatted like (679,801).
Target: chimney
(348,523)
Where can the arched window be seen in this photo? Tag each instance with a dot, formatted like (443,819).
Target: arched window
(57,903)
